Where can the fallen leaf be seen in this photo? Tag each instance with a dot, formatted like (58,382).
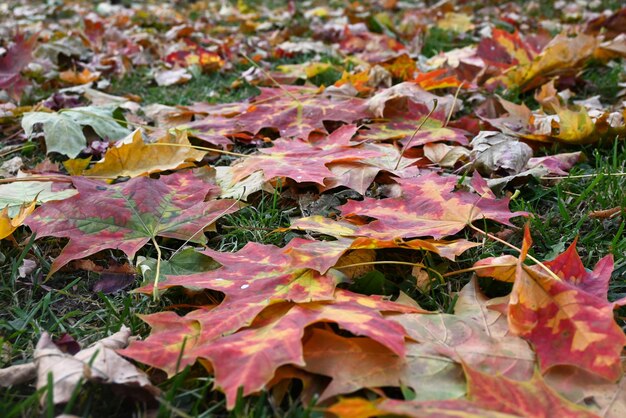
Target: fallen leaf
(532,398)
(250,356)
(365,363)
(14,61)
(109,283)
(566,324)
(457,22)
(133,157)
(494,151)
(126,216)
(298,111)
(304,161)
(82,77)
(428,207)
(63,131)
(98,363)
(9,224)
(171,77)
(17,194)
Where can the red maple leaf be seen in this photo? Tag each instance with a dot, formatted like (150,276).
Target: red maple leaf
(298,111)
(13,62)
(429,206)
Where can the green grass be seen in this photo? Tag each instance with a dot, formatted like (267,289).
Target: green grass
(440,40)
(603,80)
(256,223)
(212,88)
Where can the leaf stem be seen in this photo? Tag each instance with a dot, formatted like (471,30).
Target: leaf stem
(235,154)
(155,288)
(405,147)
(456,95)
(269,76)
(474,268)
(530,257)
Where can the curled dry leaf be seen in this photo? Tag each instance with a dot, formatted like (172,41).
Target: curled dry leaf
(9,224)
(494,151)
(98,363)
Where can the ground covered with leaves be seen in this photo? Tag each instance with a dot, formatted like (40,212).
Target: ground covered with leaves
(295,209)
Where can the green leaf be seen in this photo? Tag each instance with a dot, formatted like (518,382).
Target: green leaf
(14,195)
(63,131)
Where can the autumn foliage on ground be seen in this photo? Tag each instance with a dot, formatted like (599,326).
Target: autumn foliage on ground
(391,139)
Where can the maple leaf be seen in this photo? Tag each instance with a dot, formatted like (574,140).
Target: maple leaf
(298,111)
(606,398)
(504,49)
(269,276)
(429,206)
(562,54)
(17,194)
(432,364)
(437,79)
(431,131)
(304,161)
(9,224)
(488,396)
(270,273)
(14,61)
(136,158)
(402,67)
(355,408)
(322,255)
(98,363)
(363,408)
(248,358)
(570,268)
(472,305)
(532,398)
(261,297)
(566,324)
(64,130)
(215,130)
(357,176)
(126,216)
(356,363)
(76,77)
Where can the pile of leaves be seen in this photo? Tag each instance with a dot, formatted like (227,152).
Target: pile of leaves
(390,139)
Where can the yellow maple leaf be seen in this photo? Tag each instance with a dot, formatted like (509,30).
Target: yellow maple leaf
(8,225)
(136,158)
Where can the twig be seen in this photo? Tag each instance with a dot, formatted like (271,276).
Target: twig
(608,213)
(582,176)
